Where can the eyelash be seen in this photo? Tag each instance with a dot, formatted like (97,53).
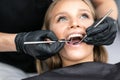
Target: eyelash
(61,17)
(85,15)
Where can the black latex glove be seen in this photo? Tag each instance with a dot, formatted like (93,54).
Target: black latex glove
(103,34)
(40,51)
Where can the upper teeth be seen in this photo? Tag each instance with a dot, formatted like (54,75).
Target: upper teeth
(75,35)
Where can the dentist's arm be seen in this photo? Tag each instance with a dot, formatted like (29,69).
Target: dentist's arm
(7,42)
(102,6)
(15,42)
(105,33)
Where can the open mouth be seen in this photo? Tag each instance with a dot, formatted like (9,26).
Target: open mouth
(74,39)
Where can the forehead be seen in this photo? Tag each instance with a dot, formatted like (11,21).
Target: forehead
(70,5)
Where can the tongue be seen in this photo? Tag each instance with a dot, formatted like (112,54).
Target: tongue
(74,41)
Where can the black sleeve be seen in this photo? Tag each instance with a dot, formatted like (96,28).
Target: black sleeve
(33,78)
(118,65)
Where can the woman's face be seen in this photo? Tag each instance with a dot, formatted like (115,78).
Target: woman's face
(70,19)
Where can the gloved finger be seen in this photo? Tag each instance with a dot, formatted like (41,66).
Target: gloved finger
(52,36)
(98,38)
(37,35)
(106,34)
(97,29)
(88,40)
(48,50)
(110,40)
(51,47)
(57,46)
(101,41)
(104,42)
(43,33)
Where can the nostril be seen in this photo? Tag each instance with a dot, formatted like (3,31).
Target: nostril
(71,26)
(78,26)
(75,26)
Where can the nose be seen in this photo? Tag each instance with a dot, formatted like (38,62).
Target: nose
(74,24)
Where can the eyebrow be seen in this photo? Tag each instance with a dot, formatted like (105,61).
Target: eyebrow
(79,10)
(84,10)
(60,13)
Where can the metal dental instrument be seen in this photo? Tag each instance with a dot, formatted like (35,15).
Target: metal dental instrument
(107,14)
(41,42)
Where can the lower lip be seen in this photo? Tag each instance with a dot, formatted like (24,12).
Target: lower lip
(73,45)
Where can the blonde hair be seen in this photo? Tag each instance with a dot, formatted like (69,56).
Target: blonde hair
(100,54)
(48,16)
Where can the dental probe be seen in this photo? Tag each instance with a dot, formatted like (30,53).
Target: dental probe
(41,42)
(107,14)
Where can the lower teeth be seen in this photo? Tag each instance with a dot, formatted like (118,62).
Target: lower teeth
(75,43)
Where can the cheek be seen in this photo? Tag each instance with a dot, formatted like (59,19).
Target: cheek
(59,31)
(77,53)
(88,24)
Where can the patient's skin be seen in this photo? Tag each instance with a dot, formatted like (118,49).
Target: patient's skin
(69,22)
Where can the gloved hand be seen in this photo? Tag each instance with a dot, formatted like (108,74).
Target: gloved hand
(103,34)
(40,51)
